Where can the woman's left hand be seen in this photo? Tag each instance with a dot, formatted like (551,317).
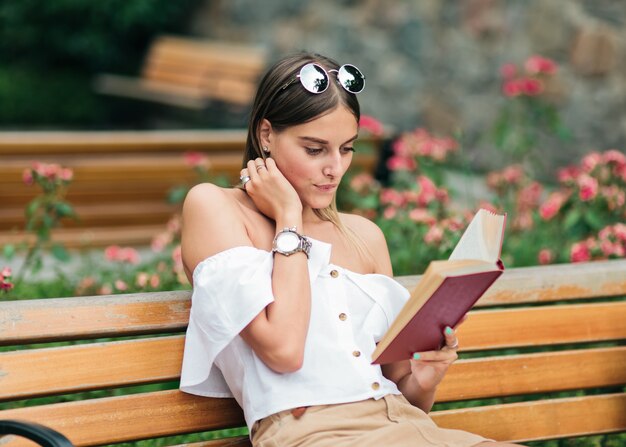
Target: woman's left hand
(429,368)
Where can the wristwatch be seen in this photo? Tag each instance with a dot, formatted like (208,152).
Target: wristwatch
(288,241)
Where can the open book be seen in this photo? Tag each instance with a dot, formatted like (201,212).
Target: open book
(446,291)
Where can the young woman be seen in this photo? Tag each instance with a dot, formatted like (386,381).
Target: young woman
(290,296)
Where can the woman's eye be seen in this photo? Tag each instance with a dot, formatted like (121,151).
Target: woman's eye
(348,149)
(313,150)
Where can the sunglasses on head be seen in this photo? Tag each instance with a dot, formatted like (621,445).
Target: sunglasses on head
(315,79)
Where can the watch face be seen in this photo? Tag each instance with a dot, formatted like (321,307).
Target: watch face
(287,241)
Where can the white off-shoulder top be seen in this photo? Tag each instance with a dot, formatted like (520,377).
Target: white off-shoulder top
(349,314)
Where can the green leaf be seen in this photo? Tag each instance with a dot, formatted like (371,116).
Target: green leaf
(8,251)
(64,209)
(60,253)
(571,219)
(593,220)
(177,194)
(32,207)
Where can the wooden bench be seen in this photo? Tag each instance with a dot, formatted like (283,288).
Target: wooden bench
(192,73)
(555,329)
(121,178)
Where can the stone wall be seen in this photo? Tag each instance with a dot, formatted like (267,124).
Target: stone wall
(435,63)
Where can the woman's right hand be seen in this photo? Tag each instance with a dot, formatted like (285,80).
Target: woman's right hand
(270,190)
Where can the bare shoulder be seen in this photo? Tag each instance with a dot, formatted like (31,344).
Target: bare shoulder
(373,237)
(212,222)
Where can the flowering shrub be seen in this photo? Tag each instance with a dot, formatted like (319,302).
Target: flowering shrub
(5,279)
(529,111)
(44,213)
(412,210)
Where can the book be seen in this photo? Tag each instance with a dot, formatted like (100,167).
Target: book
(447,290)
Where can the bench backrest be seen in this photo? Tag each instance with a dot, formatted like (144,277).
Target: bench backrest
(216,70)
(566,322)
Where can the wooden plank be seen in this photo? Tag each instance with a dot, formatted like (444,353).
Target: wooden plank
(558,282)
(237,441)
(537,420)
(33,321)
(106,142)
(41,372)
(89,238)
(72,318)
(575,323)
(131,417)
(533,373)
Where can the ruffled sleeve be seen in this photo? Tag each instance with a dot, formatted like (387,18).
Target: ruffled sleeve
(229,290)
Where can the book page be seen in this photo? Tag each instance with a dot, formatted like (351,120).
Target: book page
(482,238)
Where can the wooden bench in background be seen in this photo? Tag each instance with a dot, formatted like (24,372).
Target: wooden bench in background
(121,178)
(192,73)
(557,329)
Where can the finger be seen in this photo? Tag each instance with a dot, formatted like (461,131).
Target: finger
(259,166)
(435,356)
(244,177)
(452,342)
(252,170)
(270,164)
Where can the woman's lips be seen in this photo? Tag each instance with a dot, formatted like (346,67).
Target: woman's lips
(326,188)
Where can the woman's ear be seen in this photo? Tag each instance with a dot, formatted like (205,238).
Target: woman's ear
(265,132)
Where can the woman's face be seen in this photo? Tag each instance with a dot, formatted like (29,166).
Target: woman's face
(314,156)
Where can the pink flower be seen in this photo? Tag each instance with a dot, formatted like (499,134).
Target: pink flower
(398,163)
(588,187)
(111,252)
(390,196)
(27,177)
(568,174)
(114,253)
(160,241)
(531,86)
(195,159)
(6,272)
(390,212)
(421,215)
(155,281)
(142,279)
(529,195)
(508,70)
(427,190)
(552,205)
(121,285)
(513,174)
(66,174)
(580,252)
(590,161)
(371,124)
(105,289)
(620,231)
(511,88)
(540,65)
(545,256)
(362,182)
(434,235)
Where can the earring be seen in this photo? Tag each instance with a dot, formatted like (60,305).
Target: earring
(266,149)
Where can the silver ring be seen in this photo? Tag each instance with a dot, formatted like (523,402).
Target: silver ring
(244,179)
(259,167)
(455,345)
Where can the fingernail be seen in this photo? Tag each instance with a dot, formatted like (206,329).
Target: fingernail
(416,356)
(449,330)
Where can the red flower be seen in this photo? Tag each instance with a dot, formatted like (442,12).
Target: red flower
(512,88)
(531,86)
(371,124)
(588,187)
(194,159)
(538,64)
(508,70)
(580,252)
(545,256)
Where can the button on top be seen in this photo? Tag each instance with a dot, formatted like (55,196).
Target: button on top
(375,385)
(342,316)
(356,353)
(334,273)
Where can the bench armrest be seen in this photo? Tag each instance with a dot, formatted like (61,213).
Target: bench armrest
(40,434)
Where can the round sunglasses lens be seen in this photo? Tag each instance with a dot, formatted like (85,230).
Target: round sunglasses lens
(351,78)
(314,78)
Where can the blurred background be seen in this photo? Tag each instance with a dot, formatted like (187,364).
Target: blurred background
(430,63)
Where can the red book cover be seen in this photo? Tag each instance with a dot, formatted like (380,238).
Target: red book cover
(450,302)
(446,291)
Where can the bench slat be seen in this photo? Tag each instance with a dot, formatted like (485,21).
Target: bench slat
(537,420)
(34,373)
(533,326)
(131,417)
(558,282)
(172,412)
(533,373)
